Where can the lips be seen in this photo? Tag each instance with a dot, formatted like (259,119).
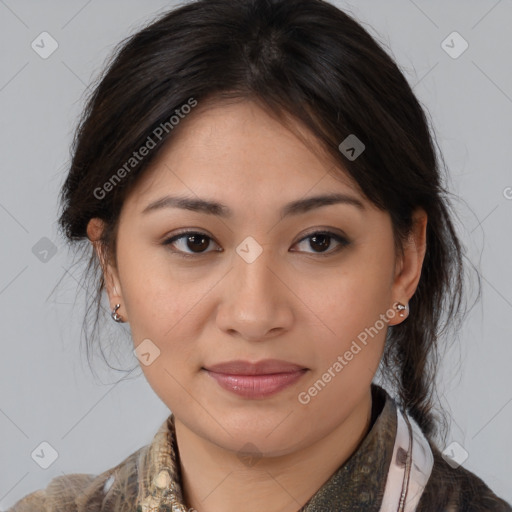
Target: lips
(265,367)
(255,380)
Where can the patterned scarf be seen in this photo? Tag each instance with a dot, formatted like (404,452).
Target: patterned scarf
(362,477)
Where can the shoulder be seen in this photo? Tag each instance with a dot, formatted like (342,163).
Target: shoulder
(80,492)
(59,495)
(451,489)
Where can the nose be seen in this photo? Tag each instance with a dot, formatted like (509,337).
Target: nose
(256,303)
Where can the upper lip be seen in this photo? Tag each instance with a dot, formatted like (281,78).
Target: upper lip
(264,367)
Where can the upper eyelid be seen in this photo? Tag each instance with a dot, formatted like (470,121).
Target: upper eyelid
(306,235)
(177,236)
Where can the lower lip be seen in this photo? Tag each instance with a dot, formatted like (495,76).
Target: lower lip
(256,386)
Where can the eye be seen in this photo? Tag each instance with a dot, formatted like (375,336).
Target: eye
(194,241)
(322,240)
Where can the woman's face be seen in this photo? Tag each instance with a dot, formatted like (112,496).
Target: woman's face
(254,283)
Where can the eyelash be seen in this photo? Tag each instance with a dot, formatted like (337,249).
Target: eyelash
(340,239)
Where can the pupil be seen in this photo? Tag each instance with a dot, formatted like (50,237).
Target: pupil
(325,241)
(191,239)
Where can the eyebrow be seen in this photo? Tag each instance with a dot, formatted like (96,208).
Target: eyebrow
(215,208)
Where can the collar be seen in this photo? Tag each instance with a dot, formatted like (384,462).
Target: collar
(357,485)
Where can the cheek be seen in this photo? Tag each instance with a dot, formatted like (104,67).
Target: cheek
(167,304)
(352,309)
(153,297)
(354,312)
(164,311)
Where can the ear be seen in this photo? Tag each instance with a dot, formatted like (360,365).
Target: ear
(113,286)
(408,267)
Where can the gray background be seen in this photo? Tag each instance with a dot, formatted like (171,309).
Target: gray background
(47,392)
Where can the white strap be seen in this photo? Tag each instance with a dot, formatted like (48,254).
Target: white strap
(410,468)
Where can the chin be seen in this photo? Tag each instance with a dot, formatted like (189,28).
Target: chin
(273,432)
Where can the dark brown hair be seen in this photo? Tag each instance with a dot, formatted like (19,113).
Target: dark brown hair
(305,59)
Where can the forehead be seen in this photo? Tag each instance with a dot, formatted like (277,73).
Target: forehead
(238,151)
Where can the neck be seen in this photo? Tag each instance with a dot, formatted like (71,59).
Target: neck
(213,481)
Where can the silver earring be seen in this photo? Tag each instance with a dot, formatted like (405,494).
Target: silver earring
(401,308)
(115,316)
